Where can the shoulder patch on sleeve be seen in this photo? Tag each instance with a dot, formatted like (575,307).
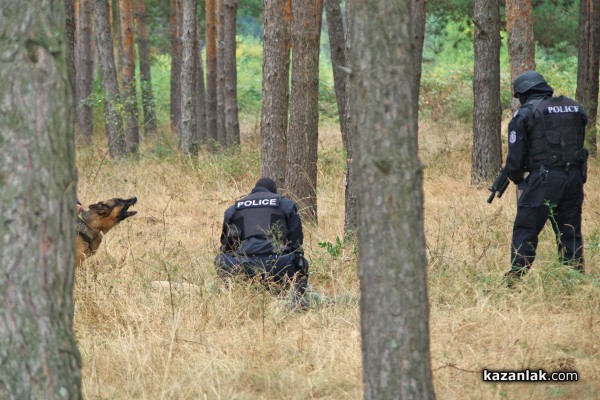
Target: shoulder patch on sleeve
(512,137)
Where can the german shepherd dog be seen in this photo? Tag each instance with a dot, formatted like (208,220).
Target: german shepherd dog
(92,224)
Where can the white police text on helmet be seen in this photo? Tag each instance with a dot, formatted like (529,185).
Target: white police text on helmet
(562,109)
(256,203)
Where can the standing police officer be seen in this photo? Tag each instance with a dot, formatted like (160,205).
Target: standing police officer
(546,138)
(262,237)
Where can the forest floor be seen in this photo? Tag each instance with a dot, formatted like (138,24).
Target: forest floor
(242,343)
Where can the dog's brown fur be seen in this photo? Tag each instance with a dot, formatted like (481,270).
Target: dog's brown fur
(92,224)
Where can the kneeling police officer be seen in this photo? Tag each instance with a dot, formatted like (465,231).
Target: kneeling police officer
(262,237)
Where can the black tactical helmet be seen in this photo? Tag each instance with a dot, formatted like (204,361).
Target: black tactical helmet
(526,81)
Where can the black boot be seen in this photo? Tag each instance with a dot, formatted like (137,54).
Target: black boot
(514,275)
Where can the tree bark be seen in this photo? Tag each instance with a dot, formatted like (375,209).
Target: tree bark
(419,14)
(200,90)
(337,43)
(232,124)
(38,351)
(221,130)
(188,131)
(211,70)
(148,104)
(175,22)
(108,74)
(277,39)
(393,278)
(303,133)
(84,67)
(132,128)
(487,110)
(521,45)
(588,66)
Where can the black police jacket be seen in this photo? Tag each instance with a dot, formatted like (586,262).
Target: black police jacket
(262,223)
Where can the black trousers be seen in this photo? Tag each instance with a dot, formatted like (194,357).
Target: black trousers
(280,269)
(555,195)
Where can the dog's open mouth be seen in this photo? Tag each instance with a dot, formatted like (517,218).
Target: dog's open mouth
(125,213)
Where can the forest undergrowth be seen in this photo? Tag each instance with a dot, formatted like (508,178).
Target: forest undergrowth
(241,342)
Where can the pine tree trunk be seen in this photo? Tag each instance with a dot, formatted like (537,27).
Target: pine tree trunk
(338,44)
(108,74)
(132,128)
(521,46)
(221,130)
(148,105)
(188,131)
(84,67)
(38,351)
(211,70)
(487,111)
(232,124)
(277,20)
(587,67)
(175,22)
(392,262)
(303,133)
(200,91)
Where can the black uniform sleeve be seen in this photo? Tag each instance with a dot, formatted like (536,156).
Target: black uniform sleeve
(225,244)
(295,235)
(517,146)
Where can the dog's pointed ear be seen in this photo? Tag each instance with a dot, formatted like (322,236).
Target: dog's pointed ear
(100,208)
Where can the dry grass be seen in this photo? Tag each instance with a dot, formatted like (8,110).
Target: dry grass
(212,343)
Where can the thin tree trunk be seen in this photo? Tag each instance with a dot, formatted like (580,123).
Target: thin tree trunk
(521,45)
(394,302)
(38,351)
(148,105)
(188,131)
(338,43)
(132,128)
(232,124)
(108,74)
(211,70)
(277,39)
(487,111)
(221,131)
(303,133)
(84,67)
(175,22)
(588,66)
(419,14)
(200,91)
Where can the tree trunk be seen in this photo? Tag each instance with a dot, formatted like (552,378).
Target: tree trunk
(487,110)
(521,45)
(108,74)
(337,43)
(303,133)
(277,39)
(221,131)
(587,68)
(394,302)
(419,14)
(188,131)
(211,70)
(148,106)
(175,22)
(232,124)
(200,92)
(40,359)
(132,128)
(84,67)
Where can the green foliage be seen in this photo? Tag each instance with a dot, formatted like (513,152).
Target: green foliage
(562,14)
(336,249)
(161,87)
